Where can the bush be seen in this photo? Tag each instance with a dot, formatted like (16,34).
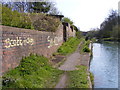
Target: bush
(85,46)
(6,16)
(35,21)
(15,19)
(26,22)
(67,20)
(79,34)
(15,22)
(86,49)
(42,22)
(87,42)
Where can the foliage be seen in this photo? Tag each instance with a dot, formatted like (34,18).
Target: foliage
(116,32)
(109,28)
(85,46)
(86,49)
(33,7)
(92,33)
(6,16)
(33,72)
(67,20)
(76,28)
(39,7)
(18,6)
(79,34)
(87,42)
(110,21)
(78,78)
(69,46)
(15,19)
(93,40)
(92,78)
(42,22)
(53,9)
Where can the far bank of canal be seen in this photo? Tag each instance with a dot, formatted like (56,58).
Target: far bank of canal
(104,65)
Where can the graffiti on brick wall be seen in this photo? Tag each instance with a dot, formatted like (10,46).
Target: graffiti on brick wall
(54,41)
(18,42)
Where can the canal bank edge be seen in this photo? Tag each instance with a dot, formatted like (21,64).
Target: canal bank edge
(90,55)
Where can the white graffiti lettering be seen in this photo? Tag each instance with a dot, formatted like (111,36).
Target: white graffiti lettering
(18,42)
(54,41)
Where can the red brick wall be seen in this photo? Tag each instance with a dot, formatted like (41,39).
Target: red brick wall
(18,43)
(1,52)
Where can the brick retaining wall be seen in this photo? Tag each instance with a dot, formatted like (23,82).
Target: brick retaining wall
(18,43)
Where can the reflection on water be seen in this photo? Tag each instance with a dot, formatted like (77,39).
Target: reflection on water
(104,65)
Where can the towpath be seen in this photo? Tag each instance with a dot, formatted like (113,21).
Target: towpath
(70,64)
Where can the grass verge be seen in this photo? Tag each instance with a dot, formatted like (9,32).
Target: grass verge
(33,72)
(85,46)
(69,47)
(78,78)
(92,78)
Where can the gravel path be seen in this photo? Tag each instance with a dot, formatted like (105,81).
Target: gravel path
(71,62)
(69,65)
(63,81)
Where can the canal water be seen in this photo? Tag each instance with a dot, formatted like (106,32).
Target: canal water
(104,65)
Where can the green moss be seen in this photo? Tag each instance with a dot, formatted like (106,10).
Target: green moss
(69,46)
(33,72)
(78,78)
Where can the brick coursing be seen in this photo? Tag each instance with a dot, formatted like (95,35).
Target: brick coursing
(17,43)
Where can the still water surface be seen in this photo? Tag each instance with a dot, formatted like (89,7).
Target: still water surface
(104,65)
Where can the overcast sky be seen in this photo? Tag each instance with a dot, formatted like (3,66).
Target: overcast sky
(86,14)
